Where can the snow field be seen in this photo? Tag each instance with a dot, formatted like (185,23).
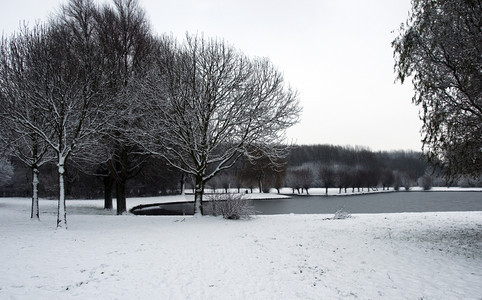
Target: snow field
(392,256)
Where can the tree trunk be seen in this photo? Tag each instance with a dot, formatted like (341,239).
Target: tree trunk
(260,185)
(120,188)
(326,190)
(120,174)
(198,196)
(35,207)
(61,207)
(260,182)
(108,183)
(183,183)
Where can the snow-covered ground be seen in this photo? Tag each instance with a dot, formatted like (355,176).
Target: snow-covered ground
(392,256)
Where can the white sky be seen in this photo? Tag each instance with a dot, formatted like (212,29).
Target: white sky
(336,53)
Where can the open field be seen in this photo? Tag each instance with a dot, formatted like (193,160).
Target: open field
(382,256)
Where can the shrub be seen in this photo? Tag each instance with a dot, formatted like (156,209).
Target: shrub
(231,206)
(341,214)
(425,182)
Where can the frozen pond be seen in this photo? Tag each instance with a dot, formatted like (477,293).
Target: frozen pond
(394,202)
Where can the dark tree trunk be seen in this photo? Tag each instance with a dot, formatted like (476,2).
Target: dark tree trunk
(108,183)
(120,182)
(183,183)
(260,181)
(120,187)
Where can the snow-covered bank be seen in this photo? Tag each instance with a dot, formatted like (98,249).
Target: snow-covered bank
(350,191)
(395,256)
(284,193)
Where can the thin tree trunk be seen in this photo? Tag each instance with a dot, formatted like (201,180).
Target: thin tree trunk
(198,196)
(61,208)
(183,183)
(35,207)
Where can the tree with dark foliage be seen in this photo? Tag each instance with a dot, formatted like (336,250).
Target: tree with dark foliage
(440,48)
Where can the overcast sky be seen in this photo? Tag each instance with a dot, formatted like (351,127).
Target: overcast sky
(337,54)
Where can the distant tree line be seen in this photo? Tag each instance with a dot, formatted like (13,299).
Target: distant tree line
(306,167)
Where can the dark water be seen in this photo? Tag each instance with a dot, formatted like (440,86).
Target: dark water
(395,202)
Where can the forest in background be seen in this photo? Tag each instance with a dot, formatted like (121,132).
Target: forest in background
(307,166)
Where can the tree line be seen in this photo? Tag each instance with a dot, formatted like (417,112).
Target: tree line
(306,167)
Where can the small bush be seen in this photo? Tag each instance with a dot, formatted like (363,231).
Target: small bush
(231,206)
(341,214)
(425,182)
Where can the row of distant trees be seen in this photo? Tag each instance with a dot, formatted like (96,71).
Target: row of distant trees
(95,90)
(313,166)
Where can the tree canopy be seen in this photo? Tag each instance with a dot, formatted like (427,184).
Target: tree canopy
(440,48)
(211,104)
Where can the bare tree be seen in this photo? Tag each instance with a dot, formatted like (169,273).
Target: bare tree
(6,171)
(212,105)
(18,109)
(126,43)
(300,178)
(327,176)
(263,170)
(61,81)
(387,178)
(344,178)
